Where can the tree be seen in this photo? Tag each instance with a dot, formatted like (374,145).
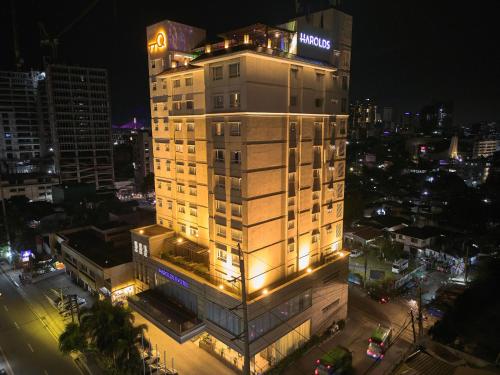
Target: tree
(108,330)
(391,250)
(72,339)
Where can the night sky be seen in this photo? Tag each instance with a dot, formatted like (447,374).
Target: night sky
(404,53)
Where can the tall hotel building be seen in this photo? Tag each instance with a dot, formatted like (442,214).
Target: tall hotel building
(249,137)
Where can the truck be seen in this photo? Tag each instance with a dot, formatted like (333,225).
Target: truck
(337,361)
(399,265)
(379,342)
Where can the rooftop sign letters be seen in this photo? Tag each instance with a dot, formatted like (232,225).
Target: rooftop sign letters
(314,40)
(174,278)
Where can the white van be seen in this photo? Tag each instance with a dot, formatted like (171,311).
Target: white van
(399,265)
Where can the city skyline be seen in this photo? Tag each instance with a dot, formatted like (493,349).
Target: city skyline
(400,61)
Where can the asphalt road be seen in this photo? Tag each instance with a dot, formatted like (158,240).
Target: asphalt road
(26,346)
(364,314)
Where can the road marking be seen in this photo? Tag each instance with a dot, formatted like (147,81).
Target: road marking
(6,308)
(2,353)
(31,348)
(17,325)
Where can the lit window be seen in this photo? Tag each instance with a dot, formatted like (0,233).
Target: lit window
(192,169)
(236,210)
(236,235)
(180,188)
(193,231)
(178,126)
(178,148)
(218,128)
(221,231)
(234,70)
(181,208)
(234,100)
(291,224)
(192,190)
(193,210)
(190,126)
(180,167)
(220,206)
(219,155)
(314,238)
(191,149)
(169,205)
(183,228)
(221,252)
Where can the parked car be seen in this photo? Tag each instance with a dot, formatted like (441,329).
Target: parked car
(379,295)
(355,253)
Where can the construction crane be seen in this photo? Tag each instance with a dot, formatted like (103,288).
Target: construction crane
(52,41)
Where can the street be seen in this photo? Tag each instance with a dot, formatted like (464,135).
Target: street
(364,315)
(27,347)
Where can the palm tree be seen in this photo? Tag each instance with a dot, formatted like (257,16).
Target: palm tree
(72,339)
(110,331)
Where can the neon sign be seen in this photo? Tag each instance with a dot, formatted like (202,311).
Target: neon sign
(174,278)
(315,41)
(160,42)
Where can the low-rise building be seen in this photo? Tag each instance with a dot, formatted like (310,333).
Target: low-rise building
(33,187)
(362,235)
(484,148)
(98,258)
(416,238)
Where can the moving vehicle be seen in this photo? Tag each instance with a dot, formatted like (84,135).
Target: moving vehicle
(399,265)
(335,362)
(355,253)
(378,295)
(378,342)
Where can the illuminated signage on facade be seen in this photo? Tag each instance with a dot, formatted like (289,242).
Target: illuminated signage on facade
(315,41)
(159,43)
(173,278)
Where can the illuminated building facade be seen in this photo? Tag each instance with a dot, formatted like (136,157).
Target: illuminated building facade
(249,138)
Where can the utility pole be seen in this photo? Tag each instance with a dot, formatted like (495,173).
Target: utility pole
(413,327)
(366,264)
(466,265)
(420,318)
(246,341)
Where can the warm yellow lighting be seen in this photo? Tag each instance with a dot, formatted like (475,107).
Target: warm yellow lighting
(341,254)
(246,38)
(208,48)
(185,62)
(269,43)
(159,42)
(141,231)
(226,43)
(309,270)
(174,64)
(265,291)
(179,240)
(221,286)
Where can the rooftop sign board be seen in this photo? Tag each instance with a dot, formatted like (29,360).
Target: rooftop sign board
(314,43)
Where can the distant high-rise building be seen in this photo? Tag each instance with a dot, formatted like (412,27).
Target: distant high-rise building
(80,124)
(22,126)
(143,156)
(437,118)
(362,118)
(484,148)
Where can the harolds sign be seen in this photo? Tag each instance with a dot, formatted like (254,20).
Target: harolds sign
(314,43)
(313,40)
(174,278)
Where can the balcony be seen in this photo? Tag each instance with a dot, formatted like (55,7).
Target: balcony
(195,259)
(180,323)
